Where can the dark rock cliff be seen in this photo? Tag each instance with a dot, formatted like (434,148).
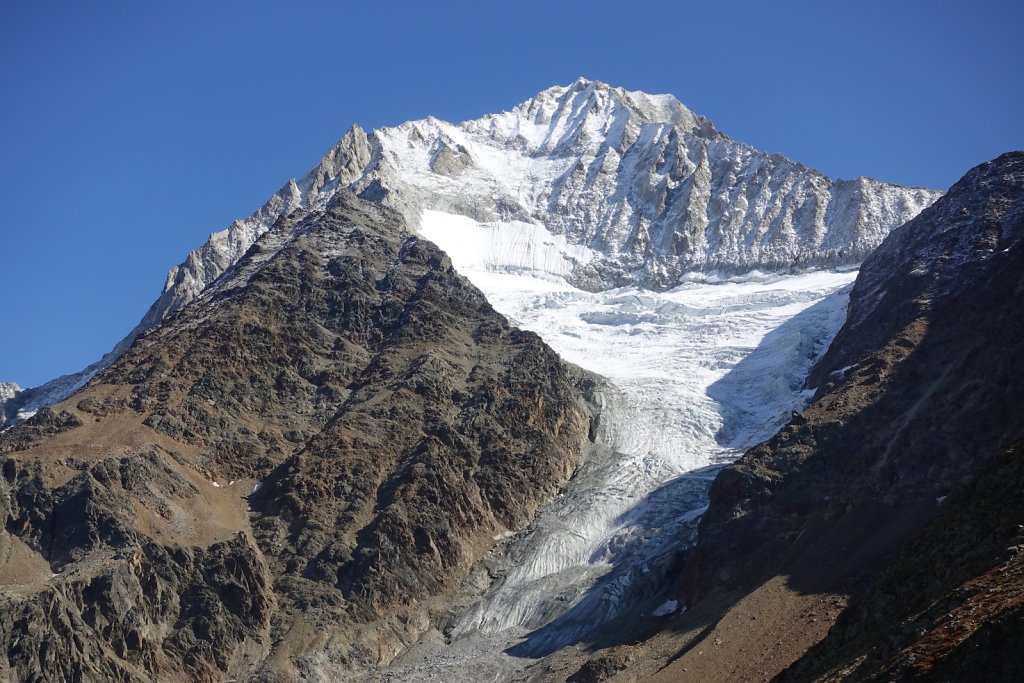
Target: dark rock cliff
(911,439)
(306,459)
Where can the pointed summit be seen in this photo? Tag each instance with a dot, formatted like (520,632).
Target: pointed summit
(586,97)
(341,165)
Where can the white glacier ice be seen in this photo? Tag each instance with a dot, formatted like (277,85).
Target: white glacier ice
(701,372)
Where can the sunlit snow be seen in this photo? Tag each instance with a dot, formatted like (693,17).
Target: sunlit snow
(665,608)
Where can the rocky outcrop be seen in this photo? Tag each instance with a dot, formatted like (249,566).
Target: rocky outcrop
(912,435)
(7,391)
(286,477)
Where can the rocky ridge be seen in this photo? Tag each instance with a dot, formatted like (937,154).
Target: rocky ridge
(283,479)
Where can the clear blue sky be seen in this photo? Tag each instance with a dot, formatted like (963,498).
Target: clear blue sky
(131,130)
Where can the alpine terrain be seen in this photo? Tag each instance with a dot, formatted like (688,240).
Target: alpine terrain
(582,391)
(877,536)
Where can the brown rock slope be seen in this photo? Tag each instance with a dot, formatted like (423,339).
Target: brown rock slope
(389,420)
(899,488)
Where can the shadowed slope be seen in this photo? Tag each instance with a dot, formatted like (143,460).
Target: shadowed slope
(390,421)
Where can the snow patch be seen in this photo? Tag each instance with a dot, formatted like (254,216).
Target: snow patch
(666,608)
(841,372)
(513,246)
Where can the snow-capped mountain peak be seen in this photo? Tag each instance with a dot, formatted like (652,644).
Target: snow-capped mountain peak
(646,183)
(630,188)
(564,119)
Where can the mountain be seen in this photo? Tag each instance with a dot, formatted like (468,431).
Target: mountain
(288,474)
(652,189)
(331,448)
(890,506)
(638,189)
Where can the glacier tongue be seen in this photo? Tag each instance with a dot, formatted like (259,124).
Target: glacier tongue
(703,371)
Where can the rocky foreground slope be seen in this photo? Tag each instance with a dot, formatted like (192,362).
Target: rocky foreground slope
(640,188)
(898,488)
(286,476)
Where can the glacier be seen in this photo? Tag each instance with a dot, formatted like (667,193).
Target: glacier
(698,373)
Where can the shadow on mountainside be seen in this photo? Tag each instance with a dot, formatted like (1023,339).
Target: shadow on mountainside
(873,492)
(635,582)
(777,367)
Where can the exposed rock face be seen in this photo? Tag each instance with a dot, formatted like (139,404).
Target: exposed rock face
(921,394)
(390,422)
(648,188)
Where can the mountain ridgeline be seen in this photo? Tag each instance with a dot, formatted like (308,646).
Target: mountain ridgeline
(652,190)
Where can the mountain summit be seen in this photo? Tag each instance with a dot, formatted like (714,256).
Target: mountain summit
(652,189)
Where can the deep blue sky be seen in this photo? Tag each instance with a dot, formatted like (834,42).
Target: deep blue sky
(131,130)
